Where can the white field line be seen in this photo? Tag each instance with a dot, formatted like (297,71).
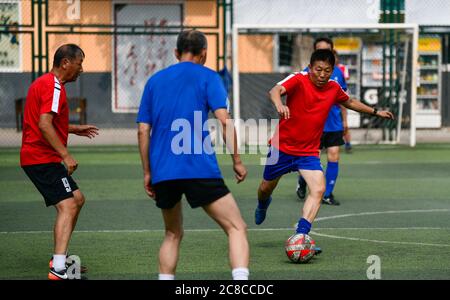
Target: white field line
(377,241)
(284,229)
(220,230)
(132,231)
(382,228)
(382,213)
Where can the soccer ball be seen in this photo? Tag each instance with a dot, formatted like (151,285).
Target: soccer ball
(300,248)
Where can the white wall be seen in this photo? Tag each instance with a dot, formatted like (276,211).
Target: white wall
(427,12)
(306,11)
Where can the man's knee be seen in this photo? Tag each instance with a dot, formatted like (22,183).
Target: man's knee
(176,234)
(317,190)
(68,206)
(241,226)
(236,224)
(79,199)
(266,187)
(333,154)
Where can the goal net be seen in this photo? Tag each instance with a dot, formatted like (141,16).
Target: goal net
(379,62)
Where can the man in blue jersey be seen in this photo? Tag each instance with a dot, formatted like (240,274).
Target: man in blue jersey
(177,155)
(332,137)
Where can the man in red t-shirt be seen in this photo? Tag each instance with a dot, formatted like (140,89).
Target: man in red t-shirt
(295,144)
(44,146)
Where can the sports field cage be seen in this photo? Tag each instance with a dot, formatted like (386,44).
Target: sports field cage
(381,63)
(125,42)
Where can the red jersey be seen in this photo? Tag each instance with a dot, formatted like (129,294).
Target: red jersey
(309,106)
(45,95)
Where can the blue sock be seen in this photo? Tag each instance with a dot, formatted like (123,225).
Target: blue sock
(303,226)
(301,180)
(331,177)
(263,204)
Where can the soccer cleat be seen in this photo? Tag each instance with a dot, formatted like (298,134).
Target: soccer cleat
(57,275)
(301,190)
(260,213)
(330,200)
(83,269)
(62,275)
(317,250)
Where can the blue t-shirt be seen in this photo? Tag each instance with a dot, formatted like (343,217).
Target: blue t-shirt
(176,102)
(334,119)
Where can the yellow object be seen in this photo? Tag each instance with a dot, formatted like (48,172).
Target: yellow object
(347,44)
(429,44)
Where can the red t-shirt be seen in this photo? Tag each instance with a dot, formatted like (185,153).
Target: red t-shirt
(309,106)
(45,95)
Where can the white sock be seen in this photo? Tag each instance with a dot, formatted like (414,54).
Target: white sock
(59,262)
(240,274)
(166,277)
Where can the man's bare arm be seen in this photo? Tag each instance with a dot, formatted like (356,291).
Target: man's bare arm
(49,134)
(358,106)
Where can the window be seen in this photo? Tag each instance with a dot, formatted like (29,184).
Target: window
(139,55)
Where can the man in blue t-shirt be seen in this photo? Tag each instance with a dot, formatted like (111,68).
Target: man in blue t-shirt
(177,155)
(332,136)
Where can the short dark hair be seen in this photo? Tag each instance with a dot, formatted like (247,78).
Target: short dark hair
(70,51)
(323,55)
(323,39)
(192,41)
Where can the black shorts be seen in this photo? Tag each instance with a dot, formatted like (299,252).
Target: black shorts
(198,192)
(332,139)
(52,181)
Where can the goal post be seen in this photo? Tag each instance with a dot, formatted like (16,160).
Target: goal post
(397,86)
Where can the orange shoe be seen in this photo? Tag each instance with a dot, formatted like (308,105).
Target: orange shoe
(57,275)
(83,269)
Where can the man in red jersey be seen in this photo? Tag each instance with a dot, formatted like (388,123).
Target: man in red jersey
(44,146)
(295,144)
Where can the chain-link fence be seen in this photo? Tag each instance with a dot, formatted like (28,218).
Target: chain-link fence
(16,66)
(125,42)
(376,64)
(379,62)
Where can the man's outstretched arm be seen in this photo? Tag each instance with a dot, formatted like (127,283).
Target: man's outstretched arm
(89,131)
(358,106)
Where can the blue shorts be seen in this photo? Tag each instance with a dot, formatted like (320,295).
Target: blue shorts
(287,163)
